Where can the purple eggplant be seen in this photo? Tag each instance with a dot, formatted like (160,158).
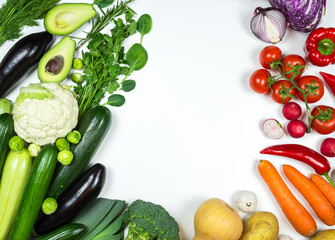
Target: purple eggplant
(81,193)
(21,58)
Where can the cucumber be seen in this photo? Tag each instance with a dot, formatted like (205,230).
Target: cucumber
(14,178)
(93,127)
(34,194)
(6,131)
(71,231)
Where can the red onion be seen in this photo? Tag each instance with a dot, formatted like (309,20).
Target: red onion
(268,24)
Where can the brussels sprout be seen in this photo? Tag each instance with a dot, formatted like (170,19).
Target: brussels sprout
(62,144)
(6,106)
(49,206)
(34,149)
(16,143)
(65,157)
(73,137)
(78,64)
(77,78)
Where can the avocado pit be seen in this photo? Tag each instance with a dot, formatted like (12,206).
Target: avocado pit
(55,65)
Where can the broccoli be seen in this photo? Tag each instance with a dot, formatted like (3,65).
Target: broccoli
(149,221)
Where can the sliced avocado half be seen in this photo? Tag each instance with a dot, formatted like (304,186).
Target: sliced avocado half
(65,18)
(56,64)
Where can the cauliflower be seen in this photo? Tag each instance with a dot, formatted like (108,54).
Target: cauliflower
(44,112)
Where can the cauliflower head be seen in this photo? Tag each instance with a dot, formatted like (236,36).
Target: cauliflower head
(44,112)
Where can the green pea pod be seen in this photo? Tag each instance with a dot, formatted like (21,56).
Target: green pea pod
(15,175)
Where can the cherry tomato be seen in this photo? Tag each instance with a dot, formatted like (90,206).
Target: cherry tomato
(313,85)
(258,81)
(298,66)
(268,55)
(281,92)
(322,126)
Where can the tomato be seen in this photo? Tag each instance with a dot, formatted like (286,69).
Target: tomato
(258,81)
(294,63)
(322,126)
(313,85)
(268,55)
(282,91)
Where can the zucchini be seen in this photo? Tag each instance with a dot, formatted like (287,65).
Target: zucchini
(13,181)
(80,194)
(71,231)
(33,196)
(6,131)
(93,127)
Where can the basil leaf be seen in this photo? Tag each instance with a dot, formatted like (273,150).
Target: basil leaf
(137,57)
(144,24)
(116,100)
(103,3)
(128,85)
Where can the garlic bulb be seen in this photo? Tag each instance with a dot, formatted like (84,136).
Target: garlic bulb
(245,201)
(268,24)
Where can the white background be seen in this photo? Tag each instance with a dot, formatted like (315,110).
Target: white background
(191,129)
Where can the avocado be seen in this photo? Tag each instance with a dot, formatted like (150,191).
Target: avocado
(56,64)
(65,18)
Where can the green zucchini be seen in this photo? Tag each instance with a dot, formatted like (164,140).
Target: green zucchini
(93,127)
(14,178)
(34,194)
(6,131)
(71,231)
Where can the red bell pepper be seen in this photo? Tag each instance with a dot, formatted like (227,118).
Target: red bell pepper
(330,80)
(320,46)
(304,154)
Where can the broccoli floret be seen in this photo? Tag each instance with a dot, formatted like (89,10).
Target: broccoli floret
(149,221)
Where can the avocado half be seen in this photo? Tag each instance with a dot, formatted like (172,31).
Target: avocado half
(65,18)
(56,64)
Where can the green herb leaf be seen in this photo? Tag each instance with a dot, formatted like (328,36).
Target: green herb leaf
(128,85)
(103,3)
(15,14)
(137,57)
(116,100)
(112,87)
(144,24)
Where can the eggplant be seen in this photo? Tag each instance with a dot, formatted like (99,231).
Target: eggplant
(81,193)
(21,58)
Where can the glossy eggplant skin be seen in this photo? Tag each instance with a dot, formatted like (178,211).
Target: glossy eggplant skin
(82,192)
(21,58)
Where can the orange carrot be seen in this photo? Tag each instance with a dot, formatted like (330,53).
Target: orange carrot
(325,187)
(295,212)
(312,194)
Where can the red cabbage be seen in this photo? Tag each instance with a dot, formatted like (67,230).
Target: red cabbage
(302,15)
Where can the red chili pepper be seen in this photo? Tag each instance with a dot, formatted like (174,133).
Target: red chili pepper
(304,154)
(330,80)
(320,46)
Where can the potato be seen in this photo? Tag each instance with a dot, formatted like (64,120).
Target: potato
(324,235)
(261,225)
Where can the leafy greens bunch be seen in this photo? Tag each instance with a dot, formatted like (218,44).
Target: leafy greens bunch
(108,65)
(15,14)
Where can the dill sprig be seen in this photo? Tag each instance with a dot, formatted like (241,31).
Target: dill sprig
(15,14)
(99,22)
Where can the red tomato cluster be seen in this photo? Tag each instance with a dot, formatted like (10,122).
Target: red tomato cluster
(282,78)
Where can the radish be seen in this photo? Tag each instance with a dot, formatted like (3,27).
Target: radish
(292,111)
(327,147)
(296,128)
(272,128)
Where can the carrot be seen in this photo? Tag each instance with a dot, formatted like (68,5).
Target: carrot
(295,212)
(320,204)
(325,187)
